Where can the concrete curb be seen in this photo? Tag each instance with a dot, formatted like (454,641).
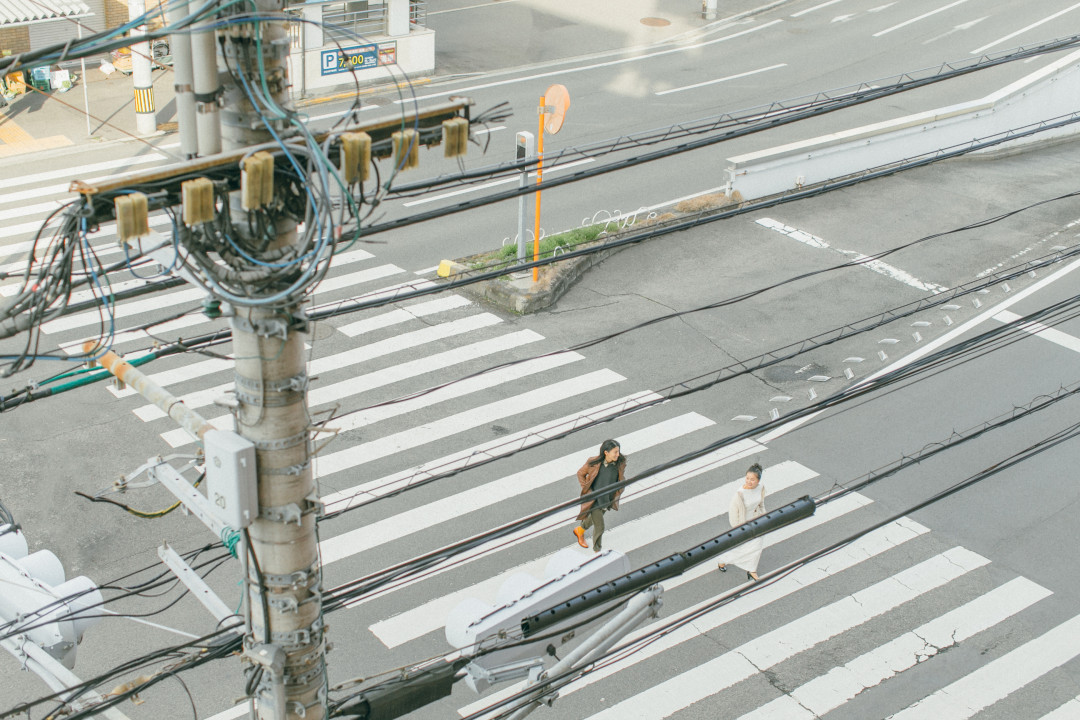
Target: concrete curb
(521,296)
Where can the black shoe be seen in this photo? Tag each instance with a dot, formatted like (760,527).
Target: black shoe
(722,567)
(751,576)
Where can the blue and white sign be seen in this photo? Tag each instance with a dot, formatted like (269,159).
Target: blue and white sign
(361,57)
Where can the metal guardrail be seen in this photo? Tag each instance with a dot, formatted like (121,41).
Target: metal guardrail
(349,20)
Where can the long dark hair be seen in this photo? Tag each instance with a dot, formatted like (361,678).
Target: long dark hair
(610,445)
(756,469)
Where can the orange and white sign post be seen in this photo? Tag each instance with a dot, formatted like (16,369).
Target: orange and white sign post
(552,111)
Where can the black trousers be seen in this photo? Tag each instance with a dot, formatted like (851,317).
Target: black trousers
(595,520)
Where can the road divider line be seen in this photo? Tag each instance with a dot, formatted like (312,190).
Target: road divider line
(921,17)
(720,80)
(1033,25)
(1054,335)
(934,344)
(807,11)
(594,66)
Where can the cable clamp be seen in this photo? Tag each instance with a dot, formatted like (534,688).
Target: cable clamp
(284,603)
(274,327)
(294,580)
(292,513)
(297,639)
(290,470)
(282,443)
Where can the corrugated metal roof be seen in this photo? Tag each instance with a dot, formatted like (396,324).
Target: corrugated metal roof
(23,12)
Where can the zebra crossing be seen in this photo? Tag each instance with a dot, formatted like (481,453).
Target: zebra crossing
(876,612)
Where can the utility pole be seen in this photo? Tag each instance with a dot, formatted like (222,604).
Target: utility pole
(284,577)
(142,75)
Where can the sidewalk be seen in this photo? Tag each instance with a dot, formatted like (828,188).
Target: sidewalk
(477,38)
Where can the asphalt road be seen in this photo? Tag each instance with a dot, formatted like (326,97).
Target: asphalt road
(1008,542)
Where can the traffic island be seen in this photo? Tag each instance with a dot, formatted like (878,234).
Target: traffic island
(517,293)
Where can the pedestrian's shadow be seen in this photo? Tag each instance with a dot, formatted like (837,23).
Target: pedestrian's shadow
(29,102)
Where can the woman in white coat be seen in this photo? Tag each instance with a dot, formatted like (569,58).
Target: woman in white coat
(747,503)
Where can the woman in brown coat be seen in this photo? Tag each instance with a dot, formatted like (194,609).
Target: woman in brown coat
(601,471)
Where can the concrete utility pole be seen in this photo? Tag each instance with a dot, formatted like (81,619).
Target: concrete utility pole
(142,75)
(284,578)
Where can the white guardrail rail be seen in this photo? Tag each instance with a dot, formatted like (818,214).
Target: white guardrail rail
(1047,93)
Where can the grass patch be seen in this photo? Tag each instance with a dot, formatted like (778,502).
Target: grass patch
(565,240)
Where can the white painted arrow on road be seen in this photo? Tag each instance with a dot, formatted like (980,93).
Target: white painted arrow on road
(958,28)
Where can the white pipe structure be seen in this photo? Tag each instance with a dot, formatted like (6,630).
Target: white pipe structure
(180,49)
(642,606)
(206,86)
(142,74)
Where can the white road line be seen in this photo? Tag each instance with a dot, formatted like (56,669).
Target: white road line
(485,131)
(387,445)
(878,266)
(122,338)
(1010,36)
(107,231)
(427,271)
(370,416)
(340,113)
(81,295)
(495,3)
(42,209)
(405,341)
(124,309)
(921,17)
(1054,335)
(838,686)
(357,278)
(568,71)
(392,529)
(625,538)
(868,547)
(656,483)
(1068,711)
(782,643)
(720,80)
(24,180)
(232,713)
(355,355)
(390,291)
(999,678)
(935,344)
(350,256)
(400,315)
(361,383)
(494,183)
(816,7)
(342,500)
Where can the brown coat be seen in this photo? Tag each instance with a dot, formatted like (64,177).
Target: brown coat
(586,475)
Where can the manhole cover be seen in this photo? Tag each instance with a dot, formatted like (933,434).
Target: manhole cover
(655,22)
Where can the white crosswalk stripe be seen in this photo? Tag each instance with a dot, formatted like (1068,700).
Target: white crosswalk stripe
(410,350)
(866,548)
(841,684)
(999,678)
(633,535)
(775,646)
(661,481)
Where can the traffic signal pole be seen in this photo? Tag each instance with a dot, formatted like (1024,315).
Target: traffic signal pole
(284,580)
